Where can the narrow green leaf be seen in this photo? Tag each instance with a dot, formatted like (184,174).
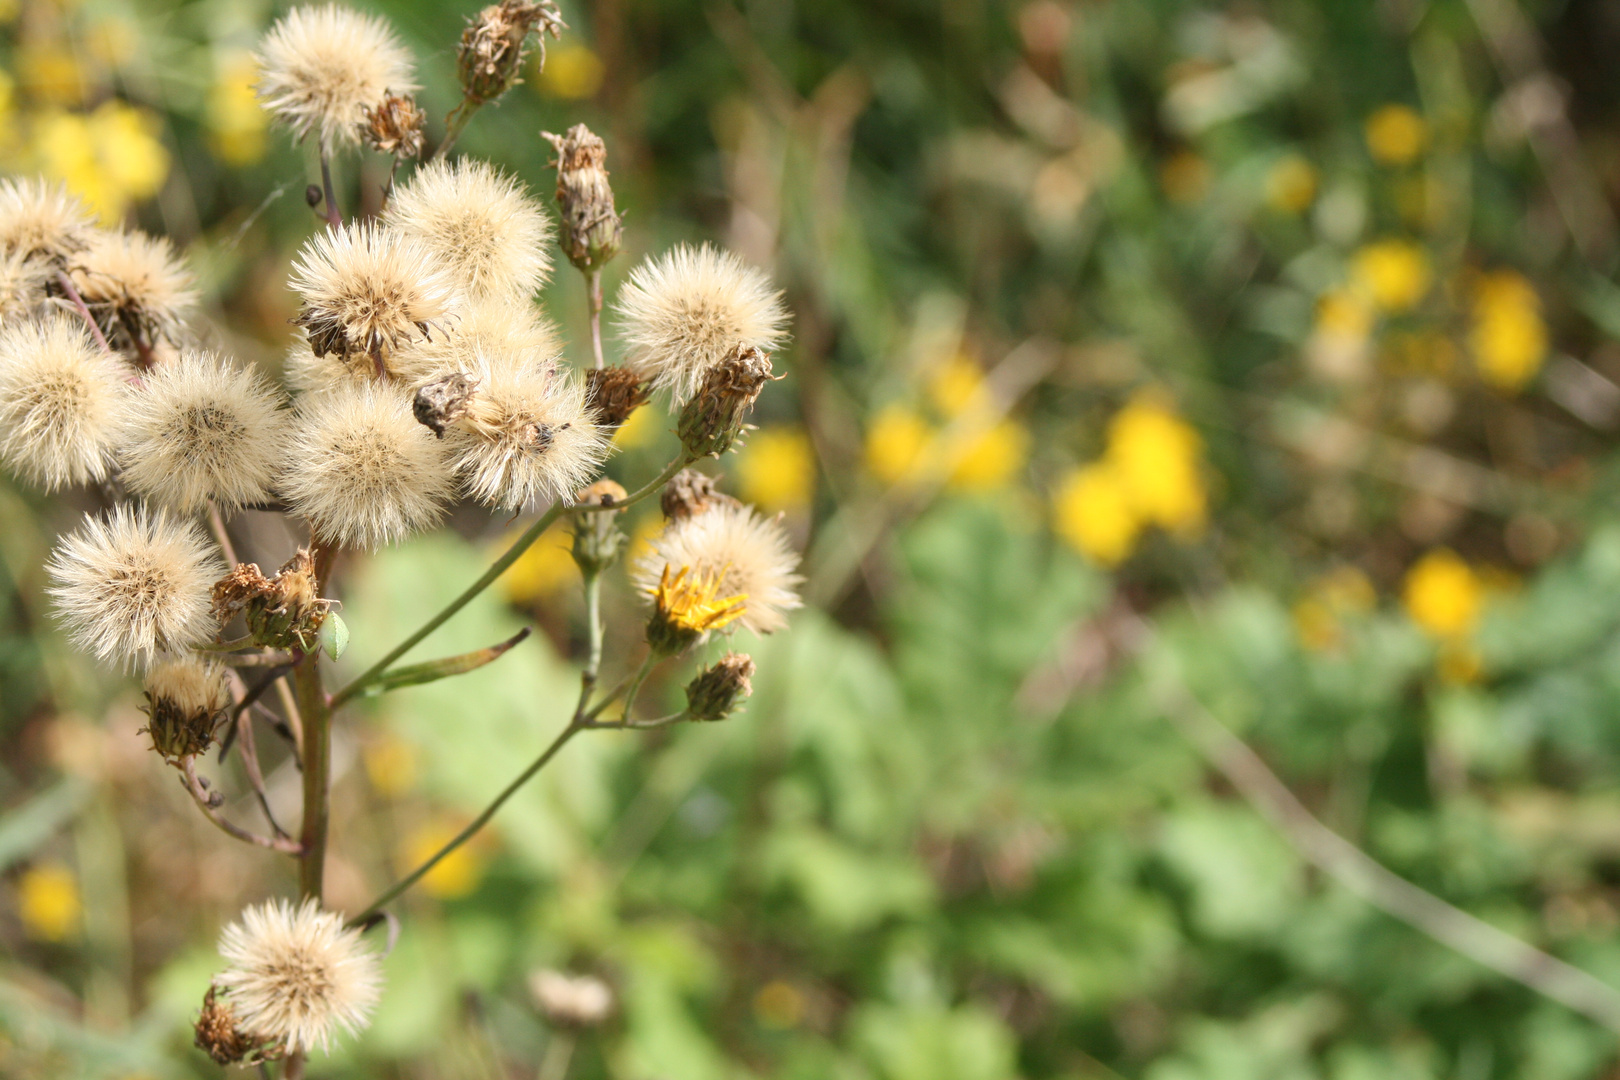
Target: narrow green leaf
(433,670)
(31,824)
(334,635)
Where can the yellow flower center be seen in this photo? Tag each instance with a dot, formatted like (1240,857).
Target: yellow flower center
(688,600)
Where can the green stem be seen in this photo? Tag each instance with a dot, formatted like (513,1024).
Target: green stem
(333,218)
(681,461)
(457,122)
(593,292)
(635,686)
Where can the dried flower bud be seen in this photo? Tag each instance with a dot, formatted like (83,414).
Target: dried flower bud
(394,126)
(716,692)
(613,393)
(690,492)
(219,1036)
(571,1000)
(284,612)
(186,699)
(712,420)
(492,46)
(441,402)
(598,540)
(590,226)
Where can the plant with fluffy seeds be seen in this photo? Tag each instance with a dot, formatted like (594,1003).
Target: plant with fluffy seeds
(322,67)
(136,287)
(40,220)
(61,396)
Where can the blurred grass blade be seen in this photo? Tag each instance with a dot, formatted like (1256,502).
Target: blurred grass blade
(434,670)
(30,825)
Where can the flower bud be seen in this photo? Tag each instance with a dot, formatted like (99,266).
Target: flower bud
(186,699)
(284,612)
(613,393)
(441,402)
(218,1035)
(716,692)
(590,230)
(689,493)
(598,540)
(712,420)
(394,126)
(492,46)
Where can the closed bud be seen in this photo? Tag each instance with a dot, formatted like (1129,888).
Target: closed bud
(218,1034)
(493,45)
(284,612)
(441,402)
(394,126)
(598,540)
(590,230)
(717,691)
(186,699)
(613,393)
(713,419)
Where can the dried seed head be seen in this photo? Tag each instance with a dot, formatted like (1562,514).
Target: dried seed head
(40,220)
(60,396)
(322,67)
(201,429)
(367,290)
(442,401)
(480,224)
(132,583)
(217,1034)
(136,287)
(394,126)
(296,976)
(690,492)
(692,309)
(284,612)
(186,698)
(22,285)
(590,226)
(362,470)
(597,536)
(716,692)
(494,43)
(613,393)
(712,421)
(571,1000)
(524,440)
(489,332)
(745,554)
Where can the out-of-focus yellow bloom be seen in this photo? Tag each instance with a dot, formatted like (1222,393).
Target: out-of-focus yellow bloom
(777,469)
(50,74)
(1460,664)
(48,902)
(541,571)
(236,123)
(112,39)
(990,458)
(895,443)
(1393,274)
(1156,456)
(391,764)
(1343,316)
(571,71)
(1443,595)
(110,158)
(779,1005)
(1319,614)
(637,430)
(1093,512)
(9,10)
(1184,177)
(957,386)
(8,92)
(1291,185)
(455,875)
(1396,135)
(1509,337)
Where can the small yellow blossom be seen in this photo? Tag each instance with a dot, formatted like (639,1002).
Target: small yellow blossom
(638,429)
(779,1005)
(571,71)
(1342,316)
(990,458)
(1443,595)
(1184,178)
(391,764)
(541,571)
(455,875)
(1319,614)
(1093,512)
(1291,185)
(689,602)
(1508,337)
(1393,274)
(1460,664)
(1396,135)
(48,902)
(777,470)
(1156,456)
(111,157)
(236,123)
(957,386)
(895,443)
(50,75)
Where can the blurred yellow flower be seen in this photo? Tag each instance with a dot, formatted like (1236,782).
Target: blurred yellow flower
(638,429)
(1341,315)
(50,74)
(1423,353)
(1443,595)
(777,469)
(8,91)
(110,157)
(1156,456)
(1319,614)
(571,71)
(236,123)
(391,764)
(989,459)
(112,39)
(1396,135)
(1291,185)
(1184,177)
(541,571)
(48,902)
(1508,337)
(956,386)
(455,875)
(1092,511)
(1393,274)
(895,443)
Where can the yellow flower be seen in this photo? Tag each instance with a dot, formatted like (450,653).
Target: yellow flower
(895,443)
(391,764)
(48,902)
(638,430)
(1342,316)
(1093,512)
(1184,177)
(1291,185)
(689,603)
(1443,595)
(50,75)
(455,875)
(1156,456)
(571,71)
(110,157)
(990,458)
(1318,615)
(957,386)
(541,571)
(777,469)
(1508,338)
(236,123)
(1396,135)
(1393,274)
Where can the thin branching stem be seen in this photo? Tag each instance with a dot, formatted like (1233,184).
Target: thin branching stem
(216,522)
(328,193)
(455,124)
(66,284)
(199,794)
(593,295)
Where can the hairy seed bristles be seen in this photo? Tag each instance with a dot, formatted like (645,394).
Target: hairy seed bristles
(296,975)
(186,699)
(483,226)
(684,313)
(136,287)
(132,583)
(524,440)
(493,45)
(590,226)
(489,332)
(22,285)
(395,126)
(367,291)
(362,470)
(201,429)
(321,67)
(746,554)
(40,220)
(60,396)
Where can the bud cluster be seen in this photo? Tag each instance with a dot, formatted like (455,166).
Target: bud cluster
(283,612)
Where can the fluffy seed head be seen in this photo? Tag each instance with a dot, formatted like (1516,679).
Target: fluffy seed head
(362,470)
(686,312)
(201,429)
(134,582)
(186,698)
(40,220)
(746,555)
(135,285)
(483,226)
(60,395)
(487,333)
(523,440)
(22,285)
(321,67)
(296,975)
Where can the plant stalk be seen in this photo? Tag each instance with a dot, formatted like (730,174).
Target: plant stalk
(593,290)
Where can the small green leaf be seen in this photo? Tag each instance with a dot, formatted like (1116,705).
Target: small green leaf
(334,635)
(433,670)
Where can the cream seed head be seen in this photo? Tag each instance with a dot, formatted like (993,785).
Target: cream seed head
(40,220)
(186,699)
(368,291)
(746,555)
(524,440)
(60,396)
(488,332)
(22,285)
(135,582)
(321,68)
(362,470)
(296,976)
(201,429)
(687,311)
(136,287)
(483,226)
